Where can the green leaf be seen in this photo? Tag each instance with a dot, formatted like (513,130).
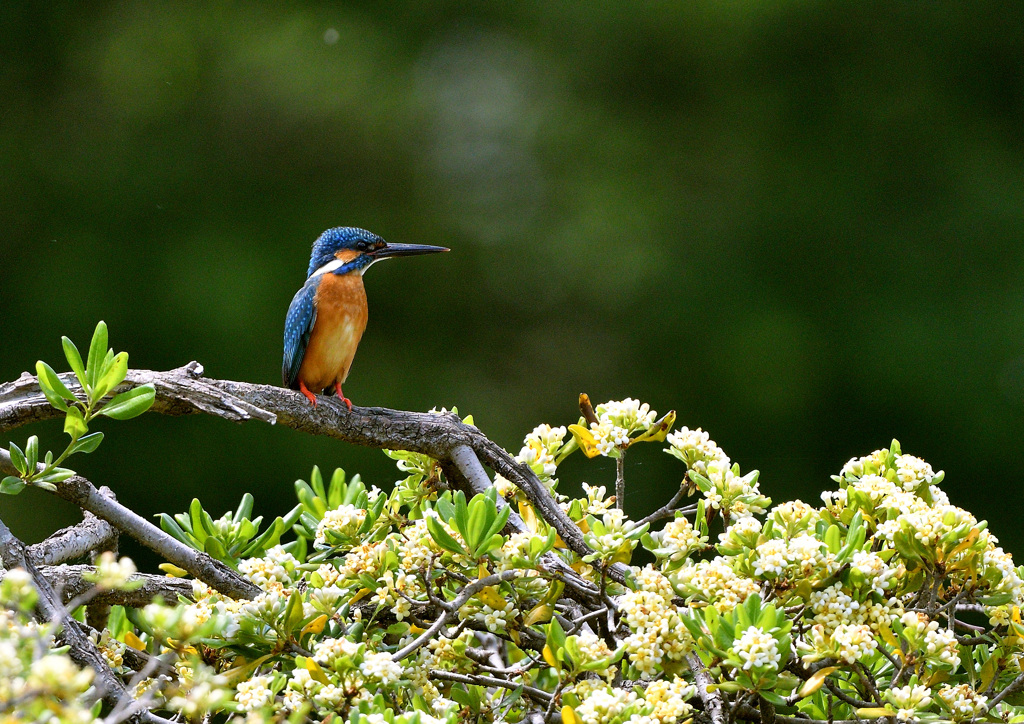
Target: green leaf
(11,485)
(270,537)
(54,390)
(18,459)
(74,423)
(131,403)
(215,548)
(74,359)
(172,528)
(113,375)
(293,613)
(32,452)
(57,475)
(97,351)
(441,537)
(244,508)
(87,443)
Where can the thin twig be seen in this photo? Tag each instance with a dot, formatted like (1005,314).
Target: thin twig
(479,680)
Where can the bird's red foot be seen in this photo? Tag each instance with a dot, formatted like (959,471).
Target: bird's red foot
(309,395)
(341,396)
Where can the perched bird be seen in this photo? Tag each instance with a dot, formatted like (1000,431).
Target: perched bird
(327,316)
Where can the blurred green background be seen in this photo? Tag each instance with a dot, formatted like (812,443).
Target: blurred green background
(799,224)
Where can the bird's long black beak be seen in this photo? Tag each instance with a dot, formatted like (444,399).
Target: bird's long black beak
(405,250)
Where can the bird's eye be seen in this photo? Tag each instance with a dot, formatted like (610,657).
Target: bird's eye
(362,246)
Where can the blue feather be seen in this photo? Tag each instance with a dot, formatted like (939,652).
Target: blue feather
(298,326)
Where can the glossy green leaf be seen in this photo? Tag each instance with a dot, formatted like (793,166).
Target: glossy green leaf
(53,388)
(113,375)
(87,443)
(18,459)
(74,359)
(32,452)
(97,352)
(11,485)
(130,404)
(57,475)
(74,423)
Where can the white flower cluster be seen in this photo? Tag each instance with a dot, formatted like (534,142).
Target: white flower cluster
(344,521)
(879,576)
(696,449)
(273,571)
(657,632)
(616,421)
(963,701)
(847,642)
(539,450)
(908,700)
(254,693)
(937,645)
(670,697)
(110,572)
(677,540)
(605,705)
(737,495)
(794,559)
(716,582)
(758,649)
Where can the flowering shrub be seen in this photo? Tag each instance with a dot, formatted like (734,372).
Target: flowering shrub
(427,605)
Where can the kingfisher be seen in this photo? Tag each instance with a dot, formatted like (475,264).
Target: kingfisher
(328,314)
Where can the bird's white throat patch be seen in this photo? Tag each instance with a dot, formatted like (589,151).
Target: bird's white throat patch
(336,264)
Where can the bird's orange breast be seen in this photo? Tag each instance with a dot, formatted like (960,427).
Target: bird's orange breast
(341,315)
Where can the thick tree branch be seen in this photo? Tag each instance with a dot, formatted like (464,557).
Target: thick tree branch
(68,583)
(73,542)
(185,391)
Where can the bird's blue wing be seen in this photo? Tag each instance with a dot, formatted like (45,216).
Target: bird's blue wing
(298,326)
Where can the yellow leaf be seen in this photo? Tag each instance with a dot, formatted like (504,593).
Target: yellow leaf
(816,681)
(316,672)
(963,545)
(529,515)
(416,629)
(583,525)
(316,625)
(172,570)
(569,716)
(658,431)
(539,613)
(134,641)
(549,656)
(875,712)
(890,638)
(492,598)
(585,439)
(624,554)
(360,595)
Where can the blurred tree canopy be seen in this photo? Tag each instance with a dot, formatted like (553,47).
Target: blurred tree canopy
(797,223)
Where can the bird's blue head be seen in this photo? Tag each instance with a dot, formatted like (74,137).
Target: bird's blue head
(346,249)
